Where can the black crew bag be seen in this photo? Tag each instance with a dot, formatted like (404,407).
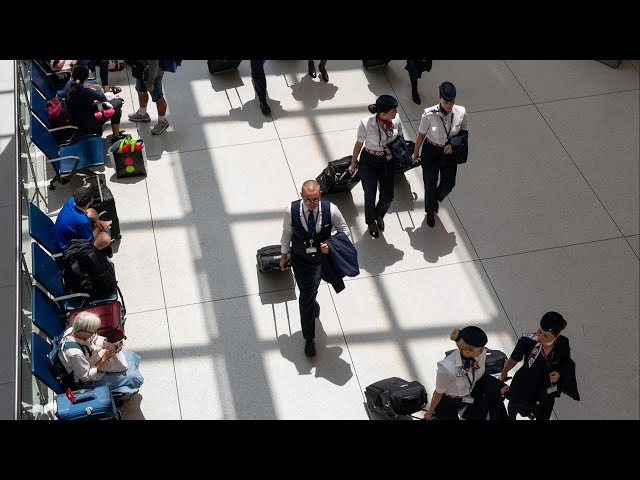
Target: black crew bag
(268,258)
(103,203)
(217,66)
(336,178)
(395,396)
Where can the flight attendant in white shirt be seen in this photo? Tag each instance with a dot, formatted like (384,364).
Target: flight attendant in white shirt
(458,374)
(437,125)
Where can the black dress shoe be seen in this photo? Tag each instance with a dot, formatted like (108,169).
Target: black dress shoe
(323,73)
(380,223)
(312,69)
(431,218)
(373,230)
(416,96)
(309,348)
(265,108)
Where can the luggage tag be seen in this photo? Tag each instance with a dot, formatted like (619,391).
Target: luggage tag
(311,248)
(468,399)
(70,395)
(553,388)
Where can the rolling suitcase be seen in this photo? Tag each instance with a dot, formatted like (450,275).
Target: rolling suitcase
(89,404)
(103,201)
(494,363)
(395,396)
(374,63)
(268,258)
(336,177)
(111,319)
(217,66)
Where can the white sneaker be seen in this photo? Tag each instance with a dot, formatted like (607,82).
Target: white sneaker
(160,127)
(139,117)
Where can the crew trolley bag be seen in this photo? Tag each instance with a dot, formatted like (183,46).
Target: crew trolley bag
(395,396)
(336,178)
(217,66)
(87,404)
(103,203)
(268,258)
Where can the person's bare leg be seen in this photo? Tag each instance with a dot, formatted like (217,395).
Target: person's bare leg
(102,241)
(162,107)
(143,99)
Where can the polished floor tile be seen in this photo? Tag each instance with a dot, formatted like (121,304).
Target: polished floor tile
(548,80)
(607,153)
(519,191)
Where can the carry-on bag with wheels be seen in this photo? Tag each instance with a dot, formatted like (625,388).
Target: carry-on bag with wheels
(336,178)
(268,258)
(103,203)
(112,318)
(87,404)
(217,66)
(395,396)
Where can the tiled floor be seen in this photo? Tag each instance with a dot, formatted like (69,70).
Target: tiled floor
(537,222)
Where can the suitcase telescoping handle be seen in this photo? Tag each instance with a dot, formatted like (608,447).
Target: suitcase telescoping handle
(86,182)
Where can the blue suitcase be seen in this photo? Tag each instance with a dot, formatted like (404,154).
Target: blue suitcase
(91,404)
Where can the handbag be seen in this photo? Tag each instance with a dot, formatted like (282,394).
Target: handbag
(400,151)
(128,158)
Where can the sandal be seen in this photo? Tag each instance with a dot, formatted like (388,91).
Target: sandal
(312,69)
(323,73)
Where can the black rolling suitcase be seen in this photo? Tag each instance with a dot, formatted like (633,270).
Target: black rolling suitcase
(217,66)
(374,63)
(336,177)
(268,258)
(103,201)
(494,363)
(395,396)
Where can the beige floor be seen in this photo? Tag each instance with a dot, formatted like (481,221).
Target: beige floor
(544,216)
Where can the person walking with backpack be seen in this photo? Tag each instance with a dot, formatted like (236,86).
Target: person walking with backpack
(77,220)
(148,75)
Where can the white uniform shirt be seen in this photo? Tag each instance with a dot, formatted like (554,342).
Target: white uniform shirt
(451,379)
(337,220)
(432,124)
(374,136)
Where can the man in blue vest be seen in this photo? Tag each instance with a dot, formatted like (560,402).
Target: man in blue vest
(307,224)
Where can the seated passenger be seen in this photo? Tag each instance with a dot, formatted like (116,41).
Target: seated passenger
(77,220)
(81,104)
(97,361)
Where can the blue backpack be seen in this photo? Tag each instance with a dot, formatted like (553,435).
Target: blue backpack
(171,65)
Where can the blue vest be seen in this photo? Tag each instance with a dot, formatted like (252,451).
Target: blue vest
(301,239)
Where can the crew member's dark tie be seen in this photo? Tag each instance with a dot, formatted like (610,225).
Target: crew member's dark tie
(311,223)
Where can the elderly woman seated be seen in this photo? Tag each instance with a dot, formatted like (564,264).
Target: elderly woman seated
(97,361)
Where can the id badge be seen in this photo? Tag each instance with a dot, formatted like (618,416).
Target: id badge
(468,399)
(311,250)
(552,389)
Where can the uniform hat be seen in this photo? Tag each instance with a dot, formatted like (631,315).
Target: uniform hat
(447,91)
(473,336)
(82,196)
(553,322)
(386,102)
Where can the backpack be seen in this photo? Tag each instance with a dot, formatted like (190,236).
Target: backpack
(138,67)
(57,368)
(87,270)
(170,65)
(57,113)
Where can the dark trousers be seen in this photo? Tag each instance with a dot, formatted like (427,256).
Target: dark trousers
(541,411)
(435,163)
(308,279)
(94,125)
(373,170)
(104,68)
(259,80)
(447,408)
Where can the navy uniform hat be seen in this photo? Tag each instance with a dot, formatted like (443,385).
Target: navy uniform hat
(386,102)
(473,336)
(447,91)
(82,196)
(553,322)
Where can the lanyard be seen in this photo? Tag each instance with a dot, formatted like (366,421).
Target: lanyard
(445,126)
(472,379)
